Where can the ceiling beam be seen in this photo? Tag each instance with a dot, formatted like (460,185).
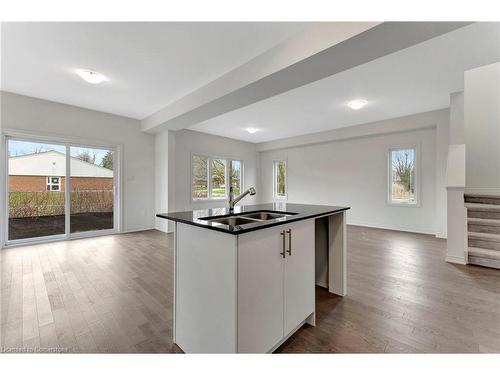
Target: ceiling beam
(318,52)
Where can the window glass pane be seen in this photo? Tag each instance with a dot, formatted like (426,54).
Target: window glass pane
(92,189)
(36,206)
(200,177)
(236,176)
(218,170)
(403,176)
(280,178)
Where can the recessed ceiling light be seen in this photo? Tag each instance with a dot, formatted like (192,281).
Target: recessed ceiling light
(357,103)
(91,76)
(252,130)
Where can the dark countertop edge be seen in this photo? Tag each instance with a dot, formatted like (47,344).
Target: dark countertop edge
(253,229)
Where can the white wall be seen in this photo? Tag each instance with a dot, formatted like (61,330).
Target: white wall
(457,135)
(161,179)
(482,129)
(353,171)
(442,142)
(40,117)
(3,164)
(173,153)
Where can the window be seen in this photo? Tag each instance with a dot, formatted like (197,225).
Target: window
(200,177)
(210,175)
(218,178)
(280,188)
(236,176)
(53,183)
(403,176)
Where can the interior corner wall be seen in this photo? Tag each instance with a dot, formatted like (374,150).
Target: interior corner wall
(482,129)
(2,173)
(38,117)
(183,144)
(354,172)
(161,178)
(442,143)
(457,130)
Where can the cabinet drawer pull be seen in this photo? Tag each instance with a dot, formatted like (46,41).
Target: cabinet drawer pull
(289,251)
(283,254)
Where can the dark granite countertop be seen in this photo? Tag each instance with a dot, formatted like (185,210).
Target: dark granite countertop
(297,212)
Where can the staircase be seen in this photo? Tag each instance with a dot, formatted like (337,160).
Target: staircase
(483,227)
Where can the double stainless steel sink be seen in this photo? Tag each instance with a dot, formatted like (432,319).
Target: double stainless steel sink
(247,218)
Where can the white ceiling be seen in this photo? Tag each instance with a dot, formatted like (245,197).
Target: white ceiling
(417,79)
(148,65)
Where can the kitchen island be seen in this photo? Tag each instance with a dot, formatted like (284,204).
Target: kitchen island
(245,279)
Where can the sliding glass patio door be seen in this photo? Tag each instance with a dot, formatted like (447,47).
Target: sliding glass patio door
(59,190)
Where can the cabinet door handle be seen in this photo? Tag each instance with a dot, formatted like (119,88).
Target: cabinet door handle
(283,254)
(289,251)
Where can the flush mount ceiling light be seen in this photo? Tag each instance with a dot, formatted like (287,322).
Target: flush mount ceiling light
(357,103)
(91,76)
(252,130)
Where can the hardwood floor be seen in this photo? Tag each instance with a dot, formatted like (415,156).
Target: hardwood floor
(114,294)
(106,294)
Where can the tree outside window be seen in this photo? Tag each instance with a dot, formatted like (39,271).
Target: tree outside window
(402,176)
(200,177)
(236,176)
(280,179)
(218,171)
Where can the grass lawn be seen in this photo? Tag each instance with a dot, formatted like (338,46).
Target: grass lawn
(217,192)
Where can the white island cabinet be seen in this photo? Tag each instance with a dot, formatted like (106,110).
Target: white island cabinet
(242,293)
(244,279)
(275,284)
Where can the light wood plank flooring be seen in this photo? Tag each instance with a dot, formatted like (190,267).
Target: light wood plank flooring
(114,294)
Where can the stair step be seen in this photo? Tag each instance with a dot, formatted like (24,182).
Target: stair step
(484,240)
(481,225)
(484,236)
(483,211)
(482,207)
(482,198)
(480,221)
(484,262)
(484,253)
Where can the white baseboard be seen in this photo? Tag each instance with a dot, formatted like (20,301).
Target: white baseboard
(137,229)
(401,228)
(442,235)
(455,259)
(168,230)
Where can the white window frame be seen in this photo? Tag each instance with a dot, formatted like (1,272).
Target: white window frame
(417,202)
(51,184)
(228,161)
(275,180)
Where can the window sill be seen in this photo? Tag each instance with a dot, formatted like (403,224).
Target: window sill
(402,204)
(209,200)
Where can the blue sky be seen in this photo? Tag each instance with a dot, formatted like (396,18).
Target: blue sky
(17,148)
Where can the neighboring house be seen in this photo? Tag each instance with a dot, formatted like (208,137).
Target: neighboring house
(44,171)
